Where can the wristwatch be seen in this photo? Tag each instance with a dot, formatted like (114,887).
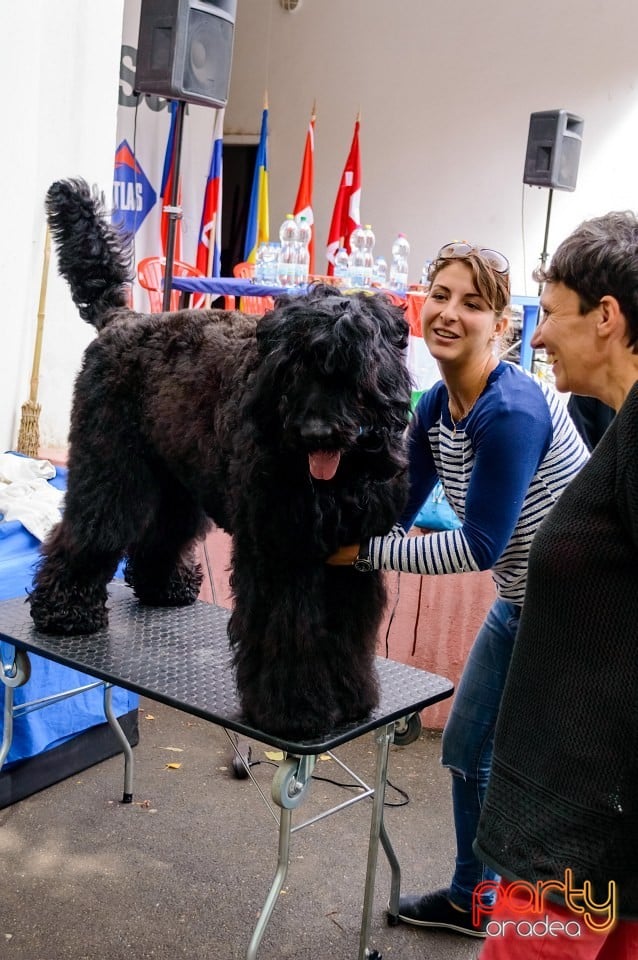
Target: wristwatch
(362,562)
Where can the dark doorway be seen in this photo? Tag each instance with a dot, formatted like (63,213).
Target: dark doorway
(237,178)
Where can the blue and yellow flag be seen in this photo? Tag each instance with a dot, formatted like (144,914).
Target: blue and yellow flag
(257,228)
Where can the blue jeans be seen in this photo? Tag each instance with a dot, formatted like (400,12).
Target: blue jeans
(468,739)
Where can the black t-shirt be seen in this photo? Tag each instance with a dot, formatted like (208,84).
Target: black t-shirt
(591,417)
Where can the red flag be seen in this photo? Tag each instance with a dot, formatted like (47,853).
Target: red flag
(346,216)
(166,191)
(303,203)
(209,243)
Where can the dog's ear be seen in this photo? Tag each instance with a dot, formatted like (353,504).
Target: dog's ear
(271,329)
(390,317)
(290,311)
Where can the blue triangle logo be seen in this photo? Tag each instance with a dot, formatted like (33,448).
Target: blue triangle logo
(133,195)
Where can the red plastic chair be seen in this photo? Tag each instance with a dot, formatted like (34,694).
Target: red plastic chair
(256,305)
(150,273)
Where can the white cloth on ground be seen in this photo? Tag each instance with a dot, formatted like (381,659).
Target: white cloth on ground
(26,496)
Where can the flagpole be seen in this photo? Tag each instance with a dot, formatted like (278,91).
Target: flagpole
(209,264)
(211,237)
(174,211)
(213,232)
(211,253)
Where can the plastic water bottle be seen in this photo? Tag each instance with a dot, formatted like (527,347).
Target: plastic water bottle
(425,274)
(380,273)
(341,265)
(304,233)
(259,273)
(368,255)
(271,262)
(287,263)
(399,266)
(357,262)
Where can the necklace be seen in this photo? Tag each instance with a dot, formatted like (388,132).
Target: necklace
(464,412)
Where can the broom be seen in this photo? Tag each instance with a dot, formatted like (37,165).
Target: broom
(29,434)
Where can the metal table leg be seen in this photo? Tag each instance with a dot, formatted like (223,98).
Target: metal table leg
(383,739)
(289,787)
(7,730)
(114,724)
(12,676)
(395,879)
(283,859)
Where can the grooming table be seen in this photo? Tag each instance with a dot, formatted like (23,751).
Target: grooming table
(57,730)
(180,657)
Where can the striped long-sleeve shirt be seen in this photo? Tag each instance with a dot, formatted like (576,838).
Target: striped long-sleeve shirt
(502,469)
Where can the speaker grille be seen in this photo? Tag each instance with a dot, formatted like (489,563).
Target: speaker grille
(568,166)
(185,50)
(208,57)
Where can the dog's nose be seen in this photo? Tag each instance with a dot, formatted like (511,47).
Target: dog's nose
(316,433)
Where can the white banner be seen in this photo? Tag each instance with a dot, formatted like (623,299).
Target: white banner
(142,133)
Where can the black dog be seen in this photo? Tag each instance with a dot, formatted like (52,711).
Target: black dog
(288,433)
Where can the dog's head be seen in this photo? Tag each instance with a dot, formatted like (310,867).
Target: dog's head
(332,382)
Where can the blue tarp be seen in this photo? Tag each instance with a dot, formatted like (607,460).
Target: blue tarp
(58,722)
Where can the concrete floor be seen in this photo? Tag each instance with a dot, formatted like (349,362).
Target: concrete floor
(184,871)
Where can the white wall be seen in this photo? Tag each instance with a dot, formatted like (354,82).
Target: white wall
(60,65)
(445,93)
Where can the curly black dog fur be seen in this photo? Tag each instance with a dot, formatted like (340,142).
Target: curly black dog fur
(198,415)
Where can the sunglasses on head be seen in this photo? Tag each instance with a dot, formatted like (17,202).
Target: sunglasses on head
(496,260)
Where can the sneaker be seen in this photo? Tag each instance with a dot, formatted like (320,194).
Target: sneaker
(435,910)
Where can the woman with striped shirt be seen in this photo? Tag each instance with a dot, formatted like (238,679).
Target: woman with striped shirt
(504,448)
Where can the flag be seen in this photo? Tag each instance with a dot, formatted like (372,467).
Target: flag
(257,229)
(303,203)
(166,190)
(346,216)
(210,230)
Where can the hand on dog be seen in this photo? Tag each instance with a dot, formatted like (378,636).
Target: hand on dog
(344,556)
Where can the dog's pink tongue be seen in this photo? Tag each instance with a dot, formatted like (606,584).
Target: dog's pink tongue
(323,464)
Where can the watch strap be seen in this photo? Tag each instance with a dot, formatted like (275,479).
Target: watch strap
(362,562)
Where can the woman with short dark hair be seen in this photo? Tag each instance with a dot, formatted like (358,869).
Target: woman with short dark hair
(561,811)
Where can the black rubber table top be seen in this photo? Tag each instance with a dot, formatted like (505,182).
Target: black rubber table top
(180,656)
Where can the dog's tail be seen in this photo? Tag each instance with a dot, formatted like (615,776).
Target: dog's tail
(94,256)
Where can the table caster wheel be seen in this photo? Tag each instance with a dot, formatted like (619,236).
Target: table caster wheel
(392,920)
(19,672)
(241,758)
(239,766)
(288,789)
(407,730)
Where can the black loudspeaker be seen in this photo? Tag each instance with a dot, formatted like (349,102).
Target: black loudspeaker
(185,50)
(553,149)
